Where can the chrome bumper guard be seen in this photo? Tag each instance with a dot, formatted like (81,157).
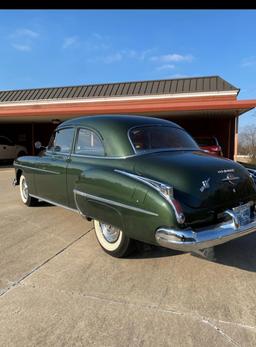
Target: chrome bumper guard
(14,182)
(188,240)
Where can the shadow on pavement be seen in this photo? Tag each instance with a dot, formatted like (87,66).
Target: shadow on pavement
(43,204)
(239,253)
(144,251)
(6,164)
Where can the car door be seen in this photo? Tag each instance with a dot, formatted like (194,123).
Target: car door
(7,148)
(87,154)
(51,174)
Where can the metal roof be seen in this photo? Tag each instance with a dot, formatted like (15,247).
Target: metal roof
(123,89)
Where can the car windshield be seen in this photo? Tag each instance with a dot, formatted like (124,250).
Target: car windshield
(206,141)
(148,138)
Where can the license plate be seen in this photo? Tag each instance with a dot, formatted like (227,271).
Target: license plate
(243,213)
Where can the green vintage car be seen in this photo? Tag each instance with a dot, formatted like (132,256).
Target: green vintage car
(140,178)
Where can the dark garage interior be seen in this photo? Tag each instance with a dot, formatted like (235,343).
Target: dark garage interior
(204,106)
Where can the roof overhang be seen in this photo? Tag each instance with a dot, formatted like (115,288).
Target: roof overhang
(185,105)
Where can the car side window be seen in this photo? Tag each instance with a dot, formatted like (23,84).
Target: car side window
(88,143)
(61,141)
(5,141)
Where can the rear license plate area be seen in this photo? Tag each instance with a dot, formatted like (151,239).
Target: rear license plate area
(243,213)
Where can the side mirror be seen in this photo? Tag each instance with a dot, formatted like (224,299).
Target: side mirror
(38,144)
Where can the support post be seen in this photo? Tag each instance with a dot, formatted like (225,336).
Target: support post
(33,137)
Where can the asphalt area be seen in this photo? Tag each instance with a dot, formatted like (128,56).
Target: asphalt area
(58,288)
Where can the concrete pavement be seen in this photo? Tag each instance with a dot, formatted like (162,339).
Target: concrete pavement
(58,288)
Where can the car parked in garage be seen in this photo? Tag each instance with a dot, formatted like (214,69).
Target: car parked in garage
(140,178)
(9,150)
(210,144)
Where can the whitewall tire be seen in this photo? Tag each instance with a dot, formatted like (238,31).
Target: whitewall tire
(113,240)
(24,192)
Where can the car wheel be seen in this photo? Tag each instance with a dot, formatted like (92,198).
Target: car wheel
(24,192)
(113,240)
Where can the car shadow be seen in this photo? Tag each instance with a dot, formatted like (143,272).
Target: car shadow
(143,251)
(239,253)
(42,204)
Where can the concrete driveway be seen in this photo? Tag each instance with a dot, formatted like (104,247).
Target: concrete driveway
(58,288)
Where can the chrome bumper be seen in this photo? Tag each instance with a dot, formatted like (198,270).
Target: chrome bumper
(188,240)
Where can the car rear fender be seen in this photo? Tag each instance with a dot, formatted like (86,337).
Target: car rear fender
(133,206)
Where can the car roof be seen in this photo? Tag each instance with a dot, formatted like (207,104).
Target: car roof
(114,128)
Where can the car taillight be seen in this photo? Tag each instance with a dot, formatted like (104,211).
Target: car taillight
(178,211)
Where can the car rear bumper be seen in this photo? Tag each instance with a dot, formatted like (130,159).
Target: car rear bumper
(189,240)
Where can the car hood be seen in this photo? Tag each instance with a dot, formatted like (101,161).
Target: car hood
(199,180)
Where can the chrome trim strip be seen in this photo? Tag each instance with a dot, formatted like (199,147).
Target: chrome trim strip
(189,240)
(111,202)
(77,206)
(135,155)
(139,178)
(230,179)
(252,174)
(179,216)
(101,157)
(54,203)
(37,169)
(131,143)
(252,171)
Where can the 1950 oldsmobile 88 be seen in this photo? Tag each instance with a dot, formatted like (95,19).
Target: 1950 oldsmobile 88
(140,178)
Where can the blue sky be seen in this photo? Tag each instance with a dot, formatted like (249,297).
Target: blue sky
(47,48)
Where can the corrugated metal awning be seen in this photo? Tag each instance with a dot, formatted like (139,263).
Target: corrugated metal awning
(173,87)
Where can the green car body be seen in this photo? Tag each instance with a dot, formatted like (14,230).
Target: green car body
(180,198)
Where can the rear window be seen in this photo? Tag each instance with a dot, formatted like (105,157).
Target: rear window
(206,141)
(161,137)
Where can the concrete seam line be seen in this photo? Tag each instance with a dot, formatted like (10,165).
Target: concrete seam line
(211,324)
(167,310)
(245,326)
(195,316)
(16,283)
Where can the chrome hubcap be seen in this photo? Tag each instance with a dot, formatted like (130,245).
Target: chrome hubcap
(110,232)
(24,189)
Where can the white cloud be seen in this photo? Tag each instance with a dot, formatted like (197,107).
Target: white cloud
(169,58)
(112,58)
(24,32)
(165,67)
(95,42)
(70,41)
(120,55)
(177,75)
(22,39)
(20,47)
(133,54)
(250,61)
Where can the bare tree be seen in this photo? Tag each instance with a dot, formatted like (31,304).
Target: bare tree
(247,141)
